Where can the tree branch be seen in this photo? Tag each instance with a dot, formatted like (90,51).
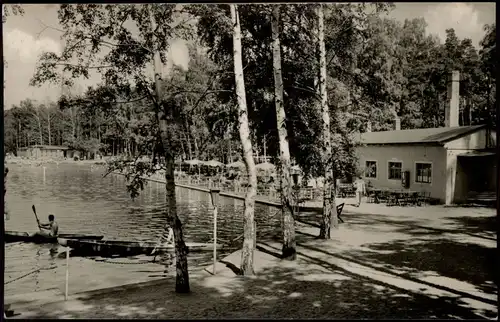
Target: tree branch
(88,67)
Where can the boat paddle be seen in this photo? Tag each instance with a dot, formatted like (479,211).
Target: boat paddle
(37,221)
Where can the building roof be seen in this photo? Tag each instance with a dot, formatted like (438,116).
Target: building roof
(50,147)
(430,136)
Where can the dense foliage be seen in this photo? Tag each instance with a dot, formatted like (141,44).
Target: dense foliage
(376,67)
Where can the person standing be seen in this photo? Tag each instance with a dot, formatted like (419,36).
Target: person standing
(166,238)
(5,211)
(360,186)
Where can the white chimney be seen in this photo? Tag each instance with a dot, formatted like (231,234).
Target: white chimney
(451,113)
(368,126)
(397,123)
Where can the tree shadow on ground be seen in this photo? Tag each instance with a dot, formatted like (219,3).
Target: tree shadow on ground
(478,227)
(419,253)
(286,291)
(486,226)
(471,263)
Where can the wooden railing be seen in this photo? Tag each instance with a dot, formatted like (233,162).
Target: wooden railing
(270,192)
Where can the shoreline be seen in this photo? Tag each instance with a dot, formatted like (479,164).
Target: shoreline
(39,162)
(207,190)
(311,277)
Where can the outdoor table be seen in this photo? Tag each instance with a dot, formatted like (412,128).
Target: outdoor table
(379,194)
(375,194)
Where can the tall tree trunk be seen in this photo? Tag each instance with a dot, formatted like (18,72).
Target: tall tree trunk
(39,122)
(48,126)
(249,227)
(329,217)
(196,148)
(73,125)
(187,134)
(182,274)
(18,133)
(183,149)
(469,113)
(288,223)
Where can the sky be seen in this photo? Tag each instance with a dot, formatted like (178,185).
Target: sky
(25,38)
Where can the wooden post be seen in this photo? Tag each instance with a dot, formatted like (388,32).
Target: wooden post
(214,194)
(67,274)
(215,238)
(43,174)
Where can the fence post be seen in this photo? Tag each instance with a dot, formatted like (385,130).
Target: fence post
(67,274)
(214,194)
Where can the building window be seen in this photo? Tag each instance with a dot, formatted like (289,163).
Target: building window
(371,169)
(423,172)
(395,170)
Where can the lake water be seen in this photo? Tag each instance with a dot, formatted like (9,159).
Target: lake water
(83,201)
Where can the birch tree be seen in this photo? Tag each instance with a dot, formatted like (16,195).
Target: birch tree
(288,223)
(329,207)
(249,235)
(97,38)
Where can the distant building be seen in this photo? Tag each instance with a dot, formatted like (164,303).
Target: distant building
(42,151)
(449,163)
(71,154)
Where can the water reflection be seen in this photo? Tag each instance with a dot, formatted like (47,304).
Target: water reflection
(85,202)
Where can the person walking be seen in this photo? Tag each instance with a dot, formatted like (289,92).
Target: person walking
(360,186)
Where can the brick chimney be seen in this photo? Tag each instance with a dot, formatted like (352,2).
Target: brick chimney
(451,113)
(369,126)
(397,123)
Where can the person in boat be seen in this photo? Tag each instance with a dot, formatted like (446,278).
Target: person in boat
(51,228)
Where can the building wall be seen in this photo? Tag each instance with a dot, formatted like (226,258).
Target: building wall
(51,153)
(36,152)
(23,152)
(458,181)
(474,141)
(70,154)
(450,179)
(408,155)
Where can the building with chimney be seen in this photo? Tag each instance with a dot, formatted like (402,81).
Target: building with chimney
(452,164)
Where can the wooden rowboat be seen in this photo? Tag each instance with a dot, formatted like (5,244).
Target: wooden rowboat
(17,236)
(110,248)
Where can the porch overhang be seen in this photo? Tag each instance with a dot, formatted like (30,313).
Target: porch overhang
(477,154)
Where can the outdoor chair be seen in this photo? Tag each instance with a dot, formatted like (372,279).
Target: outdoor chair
(370,196)
(339,211)
(401,198)
(383,196)
(423,197)
(414,199)
(392,199)
(377,196)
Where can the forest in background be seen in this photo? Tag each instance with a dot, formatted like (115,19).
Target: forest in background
(396,68)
